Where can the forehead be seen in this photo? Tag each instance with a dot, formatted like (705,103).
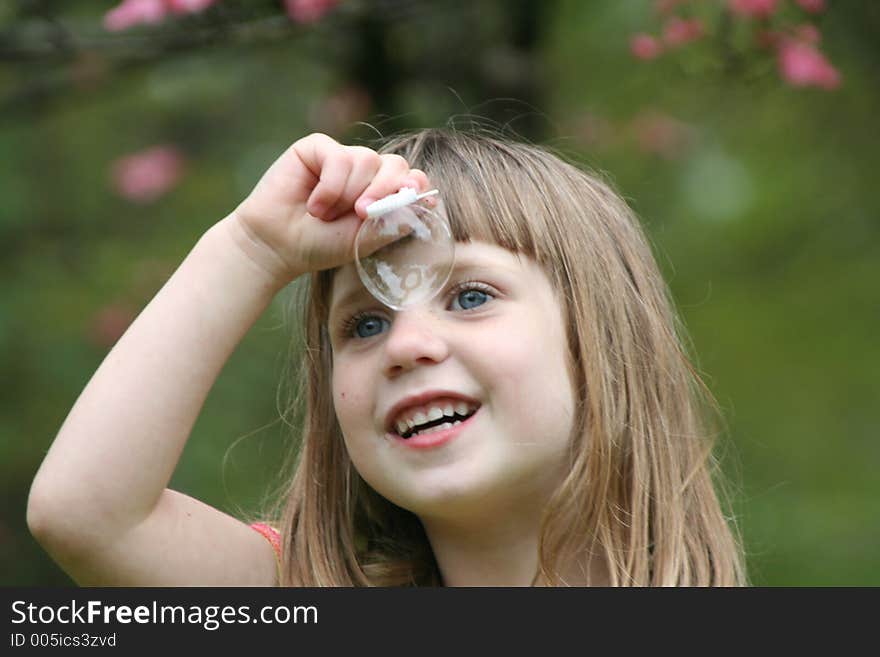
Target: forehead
(469,256)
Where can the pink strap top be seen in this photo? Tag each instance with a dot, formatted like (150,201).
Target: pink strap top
(274,537)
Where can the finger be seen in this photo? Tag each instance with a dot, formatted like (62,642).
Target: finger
(331,184)
(365,165)
(392,176)
(423,185)
(313,150)
(420,178)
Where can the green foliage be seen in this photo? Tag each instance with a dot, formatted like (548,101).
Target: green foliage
(762,212)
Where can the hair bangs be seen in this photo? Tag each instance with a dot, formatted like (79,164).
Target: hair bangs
(495,197)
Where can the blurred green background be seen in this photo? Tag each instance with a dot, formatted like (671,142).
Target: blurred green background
(759,198)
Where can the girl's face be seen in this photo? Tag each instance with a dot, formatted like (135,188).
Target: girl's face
(493,339)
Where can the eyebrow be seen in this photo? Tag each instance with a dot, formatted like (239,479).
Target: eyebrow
(355,295)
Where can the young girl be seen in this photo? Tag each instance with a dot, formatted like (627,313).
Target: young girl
(577,452)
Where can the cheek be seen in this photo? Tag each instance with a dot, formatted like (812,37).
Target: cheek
(532,353)
(354,406)
(539,390)
(350,400)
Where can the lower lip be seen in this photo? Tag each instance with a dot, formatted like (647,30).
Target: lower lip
(435,439)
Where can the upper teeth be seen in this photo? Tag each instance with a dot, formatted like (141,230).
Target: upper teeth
(417,415)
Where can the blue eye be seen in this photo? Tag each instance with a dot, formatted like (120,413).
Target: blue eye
(470,298)
(466,296)
(368,326)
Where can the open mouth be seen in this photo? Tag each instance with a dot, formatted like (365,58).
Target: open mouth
(440,424)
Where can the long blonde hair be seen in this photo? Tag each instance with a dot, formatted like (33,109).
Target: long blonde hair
(642,493)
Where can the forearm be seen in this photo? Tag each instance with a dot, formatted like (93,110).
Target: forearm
(118,447)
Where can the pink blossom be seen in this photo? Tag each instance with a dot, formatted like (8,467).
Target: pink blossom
(145,176)
(802,65)
(753,8)
(130,13)
(188,6)
(678,31)
(644,46)
(812,6)
(308,11)
(134,12)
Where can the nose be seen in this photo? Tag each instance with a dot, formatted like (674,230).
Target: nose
(414,339)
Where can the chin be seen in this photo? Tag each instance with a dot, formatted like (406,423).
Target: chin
(447,497)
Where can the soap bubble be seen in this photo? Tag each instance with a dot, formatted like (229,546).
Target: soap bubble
(404,257)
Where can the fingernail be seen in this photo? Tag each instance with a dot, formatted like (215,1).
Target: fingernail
(363,203)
